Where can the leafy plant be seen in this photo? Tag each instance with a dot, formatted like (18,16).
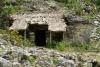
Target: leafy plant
(61,46)
(75,5)
(15,38)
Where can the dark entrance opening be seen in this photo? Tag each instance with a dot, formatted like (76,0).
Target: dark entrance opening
(40,37)
(39,33)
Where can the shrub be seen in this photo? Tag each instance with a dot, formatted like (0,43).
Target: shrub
(72,46)
(4,14)
(15,38)
(61,46)
(75,5)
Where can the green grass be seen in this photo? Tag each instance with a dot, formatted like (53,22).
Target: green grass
(89,17)
(62,45)
(77,47)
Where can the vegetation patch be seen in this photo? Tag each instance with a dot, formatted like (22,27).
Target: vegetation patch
(15,38)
